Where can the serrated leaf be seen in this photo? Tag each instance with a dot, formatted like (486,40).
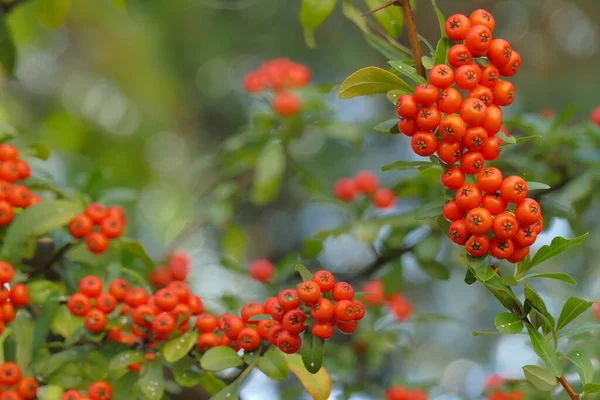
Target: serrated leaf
(313,350)
(176,349)
(312,14)
(505,138)
(370,80)
(274,365)
(37,220)
(545,351)
(317,385)
(305,274)
(401,165)
(539,377)
(152,381)
(220,358)
(7,47)
(556,247)
(584,366)
(389,126)
(537,186)
(269,171)
(407,71)
(573,308)
(391,18)
(441,51)
(52,13)
(508,323)
(126,358)
(441,19)
(560,276)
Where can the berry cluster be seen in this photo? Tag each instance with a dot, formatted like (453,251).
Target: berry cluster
(16,296)
(280,75)
(365,182)
(155,317)
(484,223)
(110,222)
(13,169)
(19,387)
(262,270)
(399,305)
(596,115)
(402,393)
(320,304)
(177,270)
(99,390)
(462,130)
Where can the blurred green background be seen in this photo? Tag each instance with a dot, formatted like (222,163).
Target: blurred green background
(133,101)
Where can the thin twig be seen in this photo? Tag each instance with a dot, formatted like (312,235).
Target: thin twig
(568,388)
(56,257)
(413,35)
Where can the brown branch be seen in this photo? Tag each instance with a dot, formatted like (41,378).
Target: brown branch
(413,35)
(7,7)
(568,388)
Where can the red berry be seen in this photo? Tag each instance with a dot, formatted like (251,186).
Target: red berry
(96,242)
(457,26)
(322,330)
(249,310)
(112,227)
(309,292)
(262,270)
(441,76)
(477,246)
(424,143)
(425,94)
(514,189)
(499,52)
(288,299)
(293,321)
(345,189)
(286,104)
(406,107)
(478,40)
(384,198)
(97,212)
(453,178)
(324,279)
(95,321)
(482,17)
(254,82)
(81,226)
(343,291)
(367,182)
(428,118)
(452,212)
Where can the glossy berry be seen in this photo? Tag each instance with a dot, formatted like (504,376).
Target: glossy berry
(426,94)
(452,212)
(367,182)
(248,339)
(81,226)
(6,213)
(477,246)
(309,292)
(344,310)
(163,324)
(473,111)
(449,101)
(384,198)
(468,196)
(408,126)
(254,82)
(478,40)
(518,254)
(501,248)
(514,189)
(406,107)
(494,203)
(322,330)
(505,226)
(479,221)
(343,291)
(489,179)
(95,321)
(249,310)
(106,303)
(504,93)
(345,189)
(288,299)
(493,120)
(27,388)
(324,279)
(453,178)
(8,152)
(96,242)
(452,128)
(119,289)
(10,374)
(100,390)
(489,76)
(449,152)
(525,237)
(293,321)
(9,171)
(428,118)
(262,270)
(424,143)
(97,212)
(467,76)
(459,55)
(207,341)
(206,323)
(288,342)
(457,26)
(441,76)
(286,104)
(322,311)
(91,286)
(112,227)
(491,148)
(483,17)
(7,272)
(512,66)
(499,52)
(474,138)
(472,162)
(482,93)
(19,196)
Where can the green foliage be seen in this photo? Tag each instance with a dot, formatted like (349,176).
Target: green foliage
(371,80)
(572,309)
(508,323)
(177,348)
(539,377)
(584,366)
(269,172)
(220,358)
(312,14)
(274,364)
(391,19)
(7,47)
(313,351)
(152,381)
(558,246)
(545,351)
(317,385)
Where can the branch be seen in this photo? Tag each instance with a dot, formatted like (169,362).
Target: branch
(7,7)
(379,263)
(42,268)
(568,388)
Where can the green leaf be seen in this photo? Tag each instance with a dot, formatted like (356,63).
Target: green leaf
(482,271)
(23,335)
(503,293)
(536,301)
(436,270)
(558,245)
(126,358)
(560,276)
(505,138)
(539,377)
(441,51)
(584,366)
(317,385)
(176,349)
(260,317)
(508,280)
(52,13)
(486,333)
(40,151)
(211,383)
(545,351)
(220,358)
(47,366)
(313,350)
(428,62)
(41,289)
(565,114)
(583,328)
(391,18)
(188,377)
(235,242)
(430,210)
(528,138)
(591,388)
(573,308)
(50,392)
(401,165)
(407,71)
(393,96)
(37,220)
(470,278)
(537,186)
(389,126)
(508,323)
(7,47)
(64,323)
(122,4)
(152,381)
(268,173)
(370,80)
(135,249)
(43,324)
(441,19)
(312,14)
(274,365)
(305,274)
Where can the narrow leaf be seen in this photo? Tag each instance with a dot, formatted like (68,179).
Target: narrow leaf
(370,80)
(560,276)
(176,349)
(441,19)
(312,352)
(317,385)
(545,351)
(558,245)
(584,366)
(505,138)
(539,377)
(537,186)
(441,51)
(220,358)
(305,274)
(269,171)
(402,165)
(407,71)
(7,47)
(44,323)
(573,308)
(274,365)
(312,14)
